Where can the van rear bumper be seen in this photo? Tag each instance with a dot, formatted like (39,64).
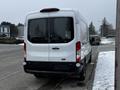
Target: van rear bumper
(52,67)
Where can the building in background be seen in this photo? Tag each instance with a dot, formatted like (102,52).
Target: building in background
(107,32)
(111,33)
(4,31)
(20,28)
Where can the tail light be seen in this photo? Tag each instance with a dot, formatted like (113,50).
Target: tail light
(78,54)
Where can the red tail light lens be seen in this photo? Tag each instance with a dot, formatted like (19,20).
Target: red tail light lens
(78,48)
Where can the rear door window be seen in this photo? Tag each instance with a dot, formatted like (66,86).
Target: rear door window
(51,30)
(37,30)
(61,30)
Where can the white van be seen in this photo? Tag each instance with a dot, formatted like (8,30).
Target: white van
(56,42)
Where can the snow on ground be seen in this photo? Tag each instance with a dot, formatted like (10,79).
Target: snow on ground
(108,41)
(104,73)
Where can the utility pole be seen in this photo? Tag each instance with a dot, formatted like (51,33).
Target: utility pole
(117,48)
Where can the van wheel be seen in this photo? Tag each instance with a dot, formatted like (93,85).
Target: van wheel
(83,72)
(83,75)
(90,59)
(37,75)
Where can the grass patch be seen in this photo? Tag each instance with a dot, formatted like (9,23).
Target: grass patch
(10,41)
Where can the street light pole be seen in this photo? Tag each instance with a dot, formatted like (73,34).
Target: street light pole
(117,48)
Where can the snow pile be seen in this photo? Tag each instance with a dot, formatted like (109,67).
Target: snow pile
(107,41)
(104,73)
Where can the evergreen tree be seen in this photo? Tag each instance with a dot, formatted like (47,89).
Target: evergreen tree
(20,24)
(92,29)
(105,28)
(13,30)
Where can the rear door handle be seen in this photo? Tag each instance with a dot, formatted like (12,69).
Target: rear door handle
(55,48)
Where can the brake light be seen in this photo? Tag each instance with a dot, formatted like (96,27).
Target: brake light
(46,10)
(78,48)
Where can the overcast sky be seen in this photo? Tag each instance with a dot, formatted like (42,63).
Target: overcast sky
(93,10)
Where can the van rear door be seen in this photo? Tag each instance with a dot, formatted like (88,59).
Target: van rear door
(62,46)
(37,47)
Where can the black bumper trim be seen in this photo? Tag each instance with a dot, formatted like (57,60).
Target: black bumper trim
(51,72)
(52,67)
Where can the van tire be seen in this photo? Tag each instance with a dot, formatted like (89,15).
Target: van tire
(90,59)
(83,72)
(37,75)
(83,75)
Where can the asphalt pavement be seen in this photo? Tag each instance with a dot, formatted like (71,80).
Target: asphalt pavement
(12,76)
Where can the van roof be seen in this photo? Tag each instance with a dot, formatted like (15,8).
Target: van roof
(50,10)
